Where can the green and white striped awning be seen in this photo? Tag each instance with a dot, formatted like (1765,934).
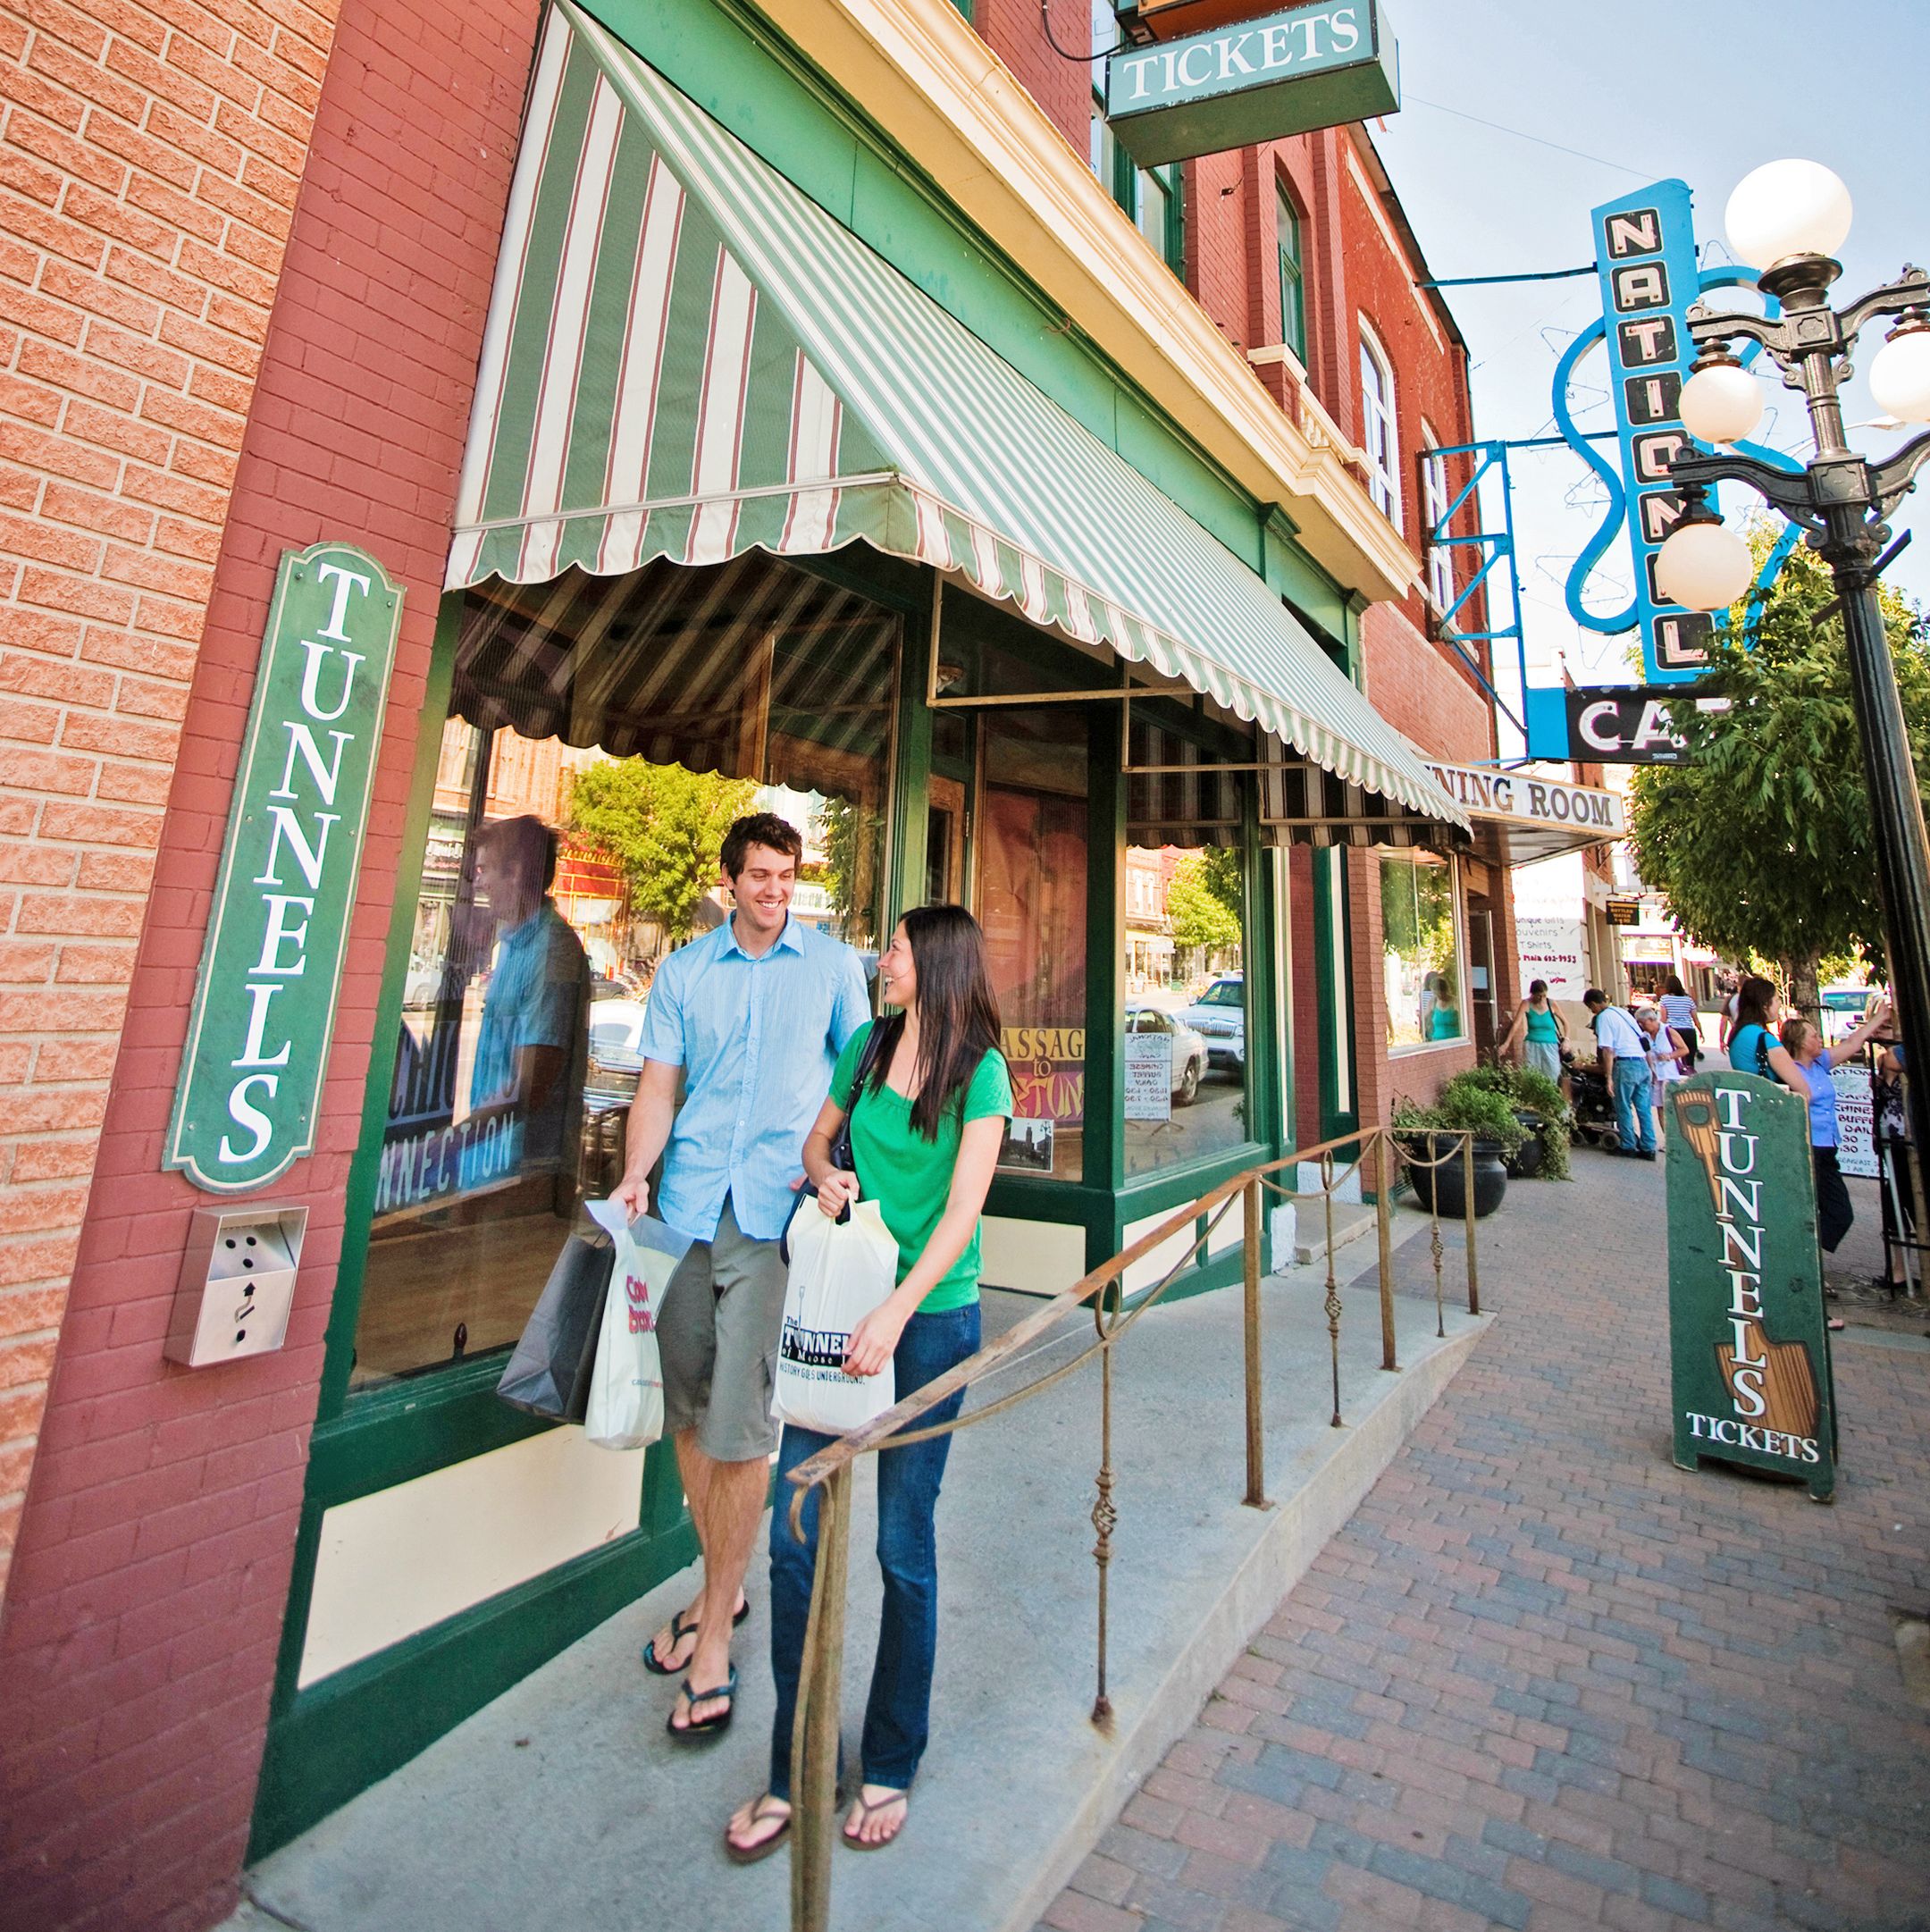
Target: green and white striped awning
(686,358)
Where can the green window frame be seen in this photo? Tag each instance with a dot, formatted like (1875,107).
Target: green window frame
(1151,196)
(1292,274)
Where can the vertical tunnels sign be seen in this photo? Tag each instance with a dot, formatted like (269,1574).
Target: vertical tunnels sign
(264,1002)
(1749,1348)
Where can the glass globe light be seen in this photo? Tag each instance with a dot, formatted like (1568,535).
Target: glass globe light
(1899,375)
(1704,566)
(1722,403)
(1784,208)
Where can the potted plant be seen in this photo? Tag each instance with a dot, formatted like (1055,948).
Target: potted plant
(1539,1108)
(1434,1133)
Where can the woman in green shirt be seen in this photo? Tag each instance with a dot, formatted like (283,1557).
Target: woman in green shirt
(927,1128)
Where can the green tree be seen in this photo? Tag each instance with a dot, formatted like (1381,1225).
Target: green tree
(1200,916)
(662,827)
(1762,839)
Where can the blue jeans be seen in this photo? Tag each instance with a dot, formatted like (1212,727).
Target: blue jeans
(898,1714)
(1634,1103)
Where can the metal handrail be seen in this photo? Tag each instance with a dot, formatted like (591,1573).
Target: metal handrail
(814,1738)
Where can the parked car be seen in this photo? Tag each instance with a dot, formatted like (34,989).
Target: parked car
(1220,1013)
(615,1052)
(1190,1056)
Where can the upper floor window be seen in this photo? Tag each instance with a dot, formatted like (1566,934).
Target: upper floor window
(1379,442)
(1436,497)
(1150,195)
(1292,283)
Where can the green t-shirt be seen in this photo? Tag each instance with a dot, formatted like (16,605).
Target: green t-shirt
(910,1177)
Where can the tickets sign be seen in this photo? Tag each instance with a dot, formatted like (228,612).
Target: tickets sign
(264,1000)
(1252,80)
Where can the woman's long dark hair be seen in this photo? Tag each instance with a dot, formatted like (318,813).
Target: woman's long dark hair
(958,1011)
(1673,988)
(1753,1003)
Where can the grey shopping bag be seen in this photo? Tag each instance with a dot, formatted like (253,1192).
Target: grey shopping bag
(549,1368)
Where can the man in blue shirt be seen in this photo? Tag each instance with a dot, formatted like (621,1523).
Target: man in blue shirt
(752,1017)
(526,1081)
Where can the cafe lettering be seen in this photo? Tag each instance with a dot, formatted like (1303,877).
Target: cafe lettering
(264,1000)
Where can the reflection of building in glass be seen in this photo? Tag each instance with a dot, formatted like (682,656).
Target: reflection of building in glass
(1149,944)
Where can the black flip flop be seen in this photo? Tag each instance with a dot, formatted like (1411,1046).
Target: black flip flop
(706,1727)
(749,1855)
(679,1630)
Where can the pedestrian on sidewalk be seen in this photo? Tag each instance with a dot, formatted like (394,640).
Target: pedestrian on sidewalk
(926,1130)
(1751,1035)
(1537,1034)
(1679,1012)
(1804,1063)
(1667,1061)
(1623,1049)
(752,1016)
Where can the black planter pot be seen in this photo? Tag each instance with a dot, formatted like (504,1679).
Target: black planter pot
(1525,1162)
(1445,1186)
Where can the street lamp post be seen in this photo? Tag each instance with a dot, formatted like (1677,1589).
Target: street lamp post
(1795,215)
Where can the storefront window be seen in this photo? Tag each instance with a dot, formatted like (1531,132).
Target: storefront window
(1421,950)
(1185,1031)
(1032,856)
(604,733)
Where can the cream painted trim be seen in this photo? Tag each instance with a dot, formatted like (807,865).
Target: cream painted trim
(397,1561)
(1373,200)
(1272,352)
(1030,1257)
(921,72)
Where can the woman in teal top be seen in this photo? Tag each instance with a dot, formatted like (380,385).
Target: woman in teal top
(927,1123)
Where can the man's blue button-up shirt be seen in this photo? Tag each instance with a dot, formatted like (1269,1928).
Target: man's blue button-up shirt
(757,1039)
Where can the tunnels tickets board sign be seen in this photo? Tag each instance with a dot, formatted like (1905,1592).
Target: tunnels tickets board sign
(1750,1352)
(1310,66)
(265,1002)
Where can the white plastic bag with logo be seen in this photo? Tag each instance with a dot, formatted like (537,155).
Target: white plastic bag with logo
(626,1409)
(840,1272)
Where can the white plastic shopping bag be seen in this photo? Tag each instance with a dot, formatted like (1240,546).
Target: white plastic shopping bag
(627,1408)
(840,1272)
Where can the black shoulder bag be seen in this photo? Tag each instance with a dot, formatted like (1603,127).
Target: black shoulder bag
(843,1154)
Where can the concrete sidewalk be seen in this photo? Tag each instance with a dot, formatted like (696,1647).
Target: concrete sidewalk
(563,1805)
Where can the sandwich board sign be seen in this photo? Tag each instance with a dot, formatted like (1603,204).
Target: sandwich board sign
(1748,1344)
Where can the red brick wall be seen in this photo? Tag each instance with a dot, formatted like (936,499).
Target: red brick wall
(141,1627)
(1062,87)
(149,156)
(1413,686)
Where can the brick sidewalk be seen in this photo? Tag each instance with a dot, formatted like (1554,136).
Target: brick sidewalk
(1544,1679)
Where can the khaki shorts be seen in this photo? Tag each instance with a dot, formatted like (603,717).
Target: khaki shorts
(718,1335)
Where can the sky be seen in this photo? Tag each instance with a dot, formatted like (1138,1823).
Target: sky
(1647,90)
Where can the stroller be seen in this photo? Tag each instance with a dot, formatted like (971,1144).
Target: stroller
(1594,1105)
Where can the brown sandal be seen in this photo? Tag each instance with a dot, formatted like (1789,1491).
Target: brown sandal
(744,1854)
(864,1812)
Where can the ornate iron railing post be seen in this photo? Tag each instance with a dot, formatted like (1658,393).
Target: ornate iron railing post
(1384,1229)
(1473,1271)
(1104,1516)
(1256,1497)
(814,1738)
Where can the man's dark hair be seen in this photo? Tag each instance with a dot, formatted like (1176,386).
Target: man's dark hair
(526,844)
(759,829)
(1594,996)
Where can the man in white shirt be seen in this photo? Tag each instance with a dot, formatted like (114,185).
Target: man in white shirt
(1624,1053)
